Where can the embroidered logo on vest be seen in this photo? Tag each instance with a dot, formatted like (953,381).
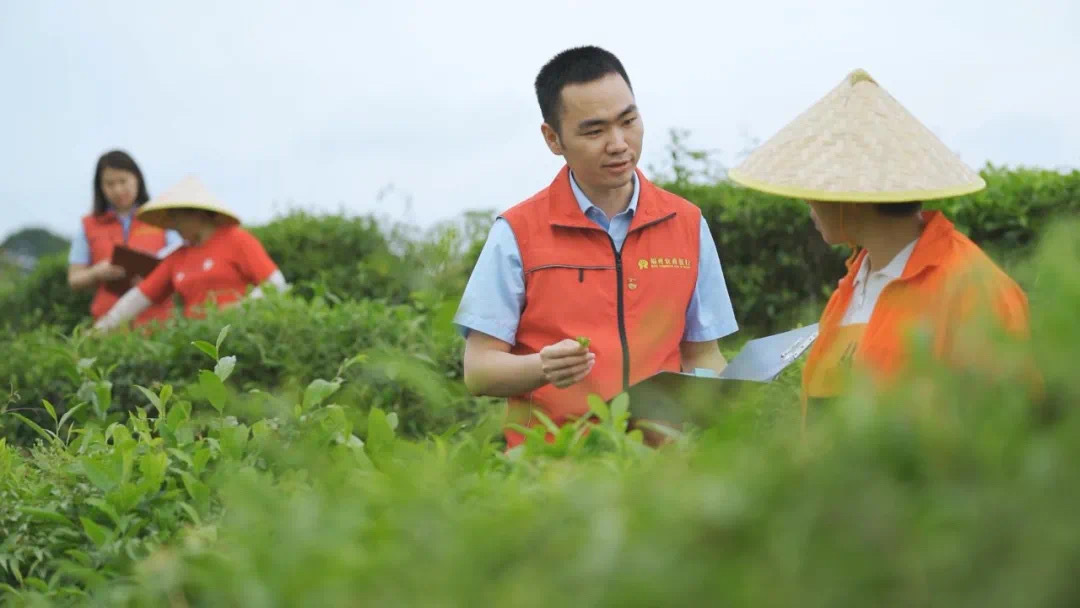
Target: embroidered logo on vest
(645,264)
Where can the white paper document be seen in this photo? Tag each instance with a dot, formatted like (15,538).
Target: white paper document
(763,359)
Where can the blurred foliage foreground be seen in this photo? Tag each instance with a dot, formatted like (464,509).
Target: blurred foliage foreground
(199,489)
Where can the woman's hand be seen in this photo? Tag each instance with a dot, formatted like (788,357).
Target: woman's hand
(107,271)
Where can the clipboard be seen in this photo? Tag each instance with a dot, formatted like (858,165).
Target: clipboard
(675,398)
(134,263)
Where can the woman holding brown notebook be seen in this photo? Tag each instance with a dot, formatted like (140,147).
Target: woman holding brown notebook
(119,190)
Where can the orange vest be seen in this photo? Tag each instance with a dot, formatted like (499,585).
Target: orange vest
(630,304)
(946,282)
(103,233)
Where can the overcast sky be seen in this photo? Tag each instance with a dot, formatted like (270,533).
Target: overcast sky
(322,105)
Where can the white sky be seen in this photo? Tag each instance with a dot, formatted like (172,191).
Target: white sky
(323,104)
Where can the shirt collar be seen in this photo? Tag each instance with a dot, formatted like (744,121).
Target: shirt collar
(585,204)
(893,270)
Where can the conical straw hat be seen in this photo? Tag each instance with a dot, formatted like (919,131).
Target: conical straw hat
(857,144)
(189,193)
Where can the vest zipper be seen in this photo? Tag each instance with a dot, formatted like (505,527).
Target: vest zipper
(619,298)
(621,315)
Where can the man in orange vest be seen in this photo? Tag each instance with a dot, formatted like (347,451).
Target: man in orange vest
(600,253)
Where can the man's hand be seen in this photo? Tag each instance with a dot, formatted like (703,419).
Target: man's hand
(491,370)
(566,363)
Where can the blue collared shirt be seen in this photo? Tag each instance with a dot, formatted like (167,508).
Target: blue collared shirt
(495,294)
(80,247)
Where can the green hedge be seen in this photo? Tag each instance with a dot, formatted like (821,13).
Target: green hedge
(777,267)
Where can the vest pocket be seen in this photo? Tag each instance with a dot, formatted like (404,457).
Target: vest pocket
(576,269)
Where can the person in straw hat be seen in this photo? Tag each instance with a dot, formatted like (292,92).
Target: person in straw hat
(865,165)
(217,263)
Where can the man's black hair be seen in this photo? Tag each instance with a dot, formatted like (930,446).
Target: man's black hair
(578,65)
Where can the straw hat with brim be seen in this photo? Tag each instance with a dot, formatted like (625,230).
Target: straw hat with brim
(188,194)
(859,145)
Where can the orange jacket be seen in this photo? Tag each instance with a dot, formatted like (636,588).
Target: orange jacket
(630,304)
(103,233)
(947,281)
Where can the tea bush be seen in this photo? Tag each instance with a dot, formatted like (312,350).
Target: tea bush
(957,490)
(280,340)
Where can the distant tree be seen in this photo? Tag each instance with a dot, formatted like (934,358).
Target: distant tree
(34,242)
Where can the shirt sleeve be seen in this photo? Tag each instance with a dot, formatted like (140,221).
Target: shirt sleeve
(495,293)
(80,249)
(709,316)
(158,284)
(173,241)
(255,263)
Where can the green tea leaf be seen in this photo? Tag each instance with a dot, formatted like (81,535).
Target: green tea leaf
(318,391)
(166,394)
(46,514)
(198,462)
(224,367)
(48,435)
(68,414)
(104,472)
(102,397)
(548,424)
(105,508)
(153,467)
(620,407)
(152,398)
(599,407)
(124,497)
(197,490)
(221,337)
(96,533)
(213,389)
(177,415)
(380,436)
(79,556)
(234,440)
(49,408)
(192,513)
(185,434)
(182,456)
(207,348)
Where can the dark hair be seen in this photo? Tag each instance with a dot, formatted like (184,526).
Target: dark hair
(573,66)
(898,209)
(121,161)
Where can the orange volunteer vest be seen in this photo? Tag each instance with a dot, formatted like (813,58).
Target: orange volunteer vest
(946,281)
(103,233)
(630,304)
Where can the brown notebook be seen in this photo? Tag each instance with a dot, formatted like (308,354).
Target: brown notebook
(136,263)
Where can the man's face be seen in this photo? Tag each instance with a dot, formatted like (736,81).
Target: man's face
(599,134)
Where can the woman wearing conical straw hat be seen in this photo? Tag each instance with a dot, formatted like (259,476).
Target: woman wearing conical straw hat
(217,263)
(865,165)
